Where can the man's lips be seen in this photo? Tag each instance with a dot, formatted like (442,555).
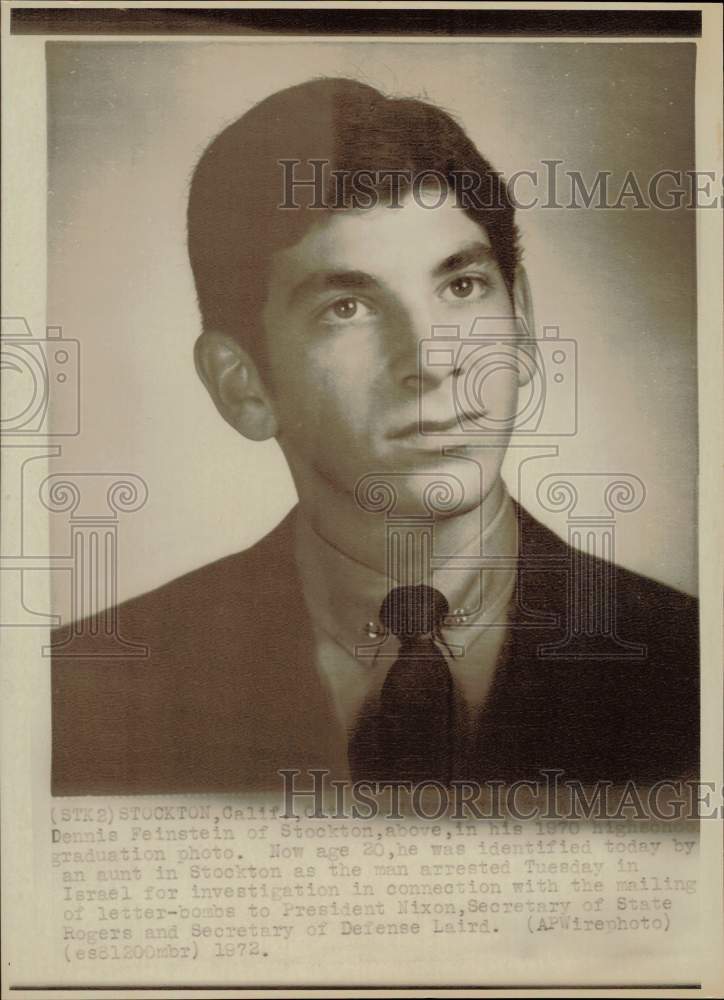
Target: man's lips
(418,427)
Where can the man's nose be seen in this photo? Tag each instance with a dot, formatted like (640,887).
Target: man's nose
(417,361)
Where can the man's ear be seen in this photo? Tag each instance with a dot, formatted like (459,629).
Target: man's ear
(528,355)
(233,382)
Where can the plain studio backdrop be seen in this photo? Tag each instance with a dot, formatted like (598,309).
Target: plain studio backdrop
(127,123)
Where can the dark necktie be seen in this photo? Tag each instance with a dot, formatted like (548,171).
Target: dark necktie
(409,738)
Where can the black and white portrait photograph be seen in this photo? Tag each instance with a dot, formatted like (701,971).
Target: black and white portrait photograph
(361,521)
(456,348)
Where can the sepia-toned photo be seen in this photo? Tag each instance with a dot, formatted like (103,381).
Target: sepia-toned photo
(364,301)
(360,497)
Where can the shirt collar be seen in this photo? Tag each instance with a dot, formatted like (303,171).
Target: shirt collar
(343,595)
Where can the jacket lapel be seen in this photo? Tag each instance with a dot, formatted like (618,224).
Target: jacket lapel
(305,732)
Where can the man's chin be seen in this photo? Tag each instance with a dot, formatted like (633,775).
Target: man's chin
(443,488)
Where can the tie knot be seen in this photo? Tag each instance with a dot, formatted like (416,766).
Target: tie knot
(409,612)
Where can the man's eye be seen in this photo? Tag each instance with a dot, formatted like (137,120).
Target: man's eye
(346,309)
(468,286)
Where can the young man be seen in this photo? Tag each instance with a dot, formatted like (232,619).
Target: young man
(407,620)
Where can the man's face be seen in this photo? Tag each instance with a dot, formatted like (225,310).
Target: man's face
(347,309)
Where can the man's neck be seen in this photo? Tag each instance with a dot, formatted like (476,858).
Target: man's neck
(362,535)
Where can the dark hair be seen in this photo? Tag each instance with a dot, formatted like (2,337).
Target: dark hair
(235,222)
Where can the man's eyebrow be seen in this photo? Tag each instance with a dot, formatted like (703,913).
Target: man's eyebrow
(472,253)
(323,281)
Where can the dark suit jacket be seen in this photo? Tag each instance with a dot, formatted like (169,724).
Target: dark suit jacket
(229,692)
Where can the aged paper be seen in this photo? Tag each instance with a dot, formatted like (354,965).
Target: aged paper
(361,540)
